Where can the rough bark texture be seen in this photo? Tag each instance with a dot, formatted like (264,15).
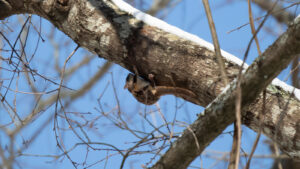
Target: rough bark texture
(221,112)
(100,27)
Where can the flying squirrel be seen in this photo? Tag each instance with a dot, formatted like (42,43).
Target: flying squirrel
(148,93)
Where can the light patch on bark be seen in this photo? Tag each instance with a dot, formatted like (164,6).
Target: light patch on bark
(47,5)
(289,130)
(267,131)
(195,73)
(171,37)
(105,40)
(96,24)
(156,37)
(89,5)
(283,39)
(276,112)
(72,17)
(104,27)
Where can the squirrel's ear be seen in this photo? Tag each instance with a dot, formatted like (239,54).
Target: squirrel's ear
(131,78)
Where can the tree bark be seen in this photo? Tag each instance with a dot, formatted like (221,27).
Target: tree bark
(103,28)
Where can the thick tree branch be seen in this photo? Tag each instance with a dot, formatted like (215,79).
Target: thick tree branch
(103,28)
(220,113)
(10,7)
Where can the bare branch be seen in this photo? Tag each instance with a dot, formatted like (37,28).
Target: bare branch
(220,113)
(182,60)
(215,41)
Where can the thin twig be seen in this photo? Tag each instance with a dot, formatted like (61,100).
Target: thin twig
(264,92)
(62,148)
(258,18)
(215,41)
